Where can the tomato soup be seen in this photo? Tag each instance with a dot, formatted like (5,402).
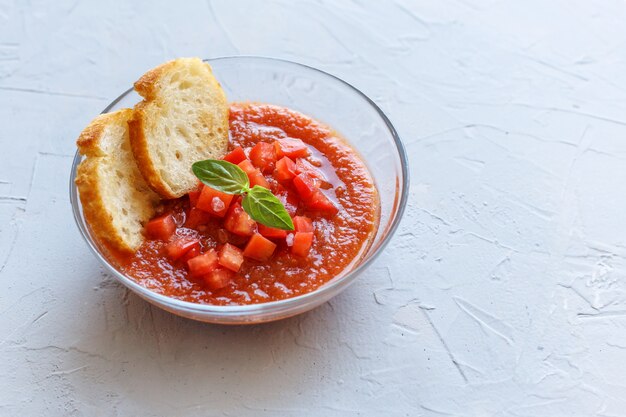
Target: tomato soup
(203,248)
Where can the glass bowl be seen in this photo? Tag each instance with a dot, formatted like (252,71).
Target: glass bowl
(327,99)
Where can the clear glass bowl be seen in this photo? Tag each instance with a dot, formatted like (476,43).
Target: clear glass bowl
(327,99)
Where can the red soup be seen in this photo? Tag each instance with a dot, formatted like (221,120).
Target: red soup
(204,248)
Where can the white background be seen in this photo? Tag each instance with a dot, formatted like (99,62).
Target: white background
(502,294)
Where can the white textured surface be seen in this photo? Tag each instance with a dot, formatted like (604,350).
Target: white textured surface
(502,294)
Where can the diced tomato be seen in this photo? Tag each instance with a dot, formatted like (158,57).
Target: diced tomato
(203,264)
(292,198)
(302,165)
(260,181)
(191,253)
(231,257)
(254,175)
(278,151)
(304,186)
(272,232)
(285,169)
(193,197)
(291,147)
(247,167)
(235,156)
(319,202)
(179,247)
(263,156)
(312,196)
(259,248)
(196,217)
(162,227)
(302,224)
(218,278)
(214,202)
(302,242)
(239,222)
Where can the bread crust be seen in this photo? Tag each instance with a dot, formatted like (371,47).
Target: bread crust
(139,145)
(95,211)
(89,140)
(89,177)
(146,85)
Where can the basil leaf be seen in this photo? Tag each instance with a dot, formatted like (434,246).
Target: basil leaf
(266,209)
(221,175)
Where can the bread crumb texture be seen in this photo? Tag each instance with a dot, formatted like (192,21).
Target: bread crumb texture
(182,119)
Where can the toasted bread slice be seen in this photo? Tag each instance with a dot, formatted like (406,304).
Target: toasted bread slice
(115,198)
(182,119)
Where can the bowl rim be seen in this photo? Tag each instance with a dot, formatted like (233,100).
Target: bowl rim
(271,306)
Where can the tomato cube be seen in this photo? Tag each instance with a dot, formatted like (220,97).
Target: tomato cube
(231,257)
(304,185)
(302,242)
(259,248)
(271,232)
(235,156)
(218,278)
(291,147)
(312,196)
(162,227)
(247,167)
(319,202)
(191,253)
(263,156)
(193,197)
(196,217)
(254,175)
(302,224)
(302,165)
(213,201)
(203,264)
(179,247)
(239,222)
(285,169)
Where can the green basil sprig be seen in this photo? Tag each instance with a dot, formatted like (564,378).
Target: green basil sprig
(221,175)
(258,202)
(266,209)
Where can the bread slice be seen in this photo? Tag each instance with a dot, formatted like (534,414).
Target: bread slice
(182,119)
(115,198)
